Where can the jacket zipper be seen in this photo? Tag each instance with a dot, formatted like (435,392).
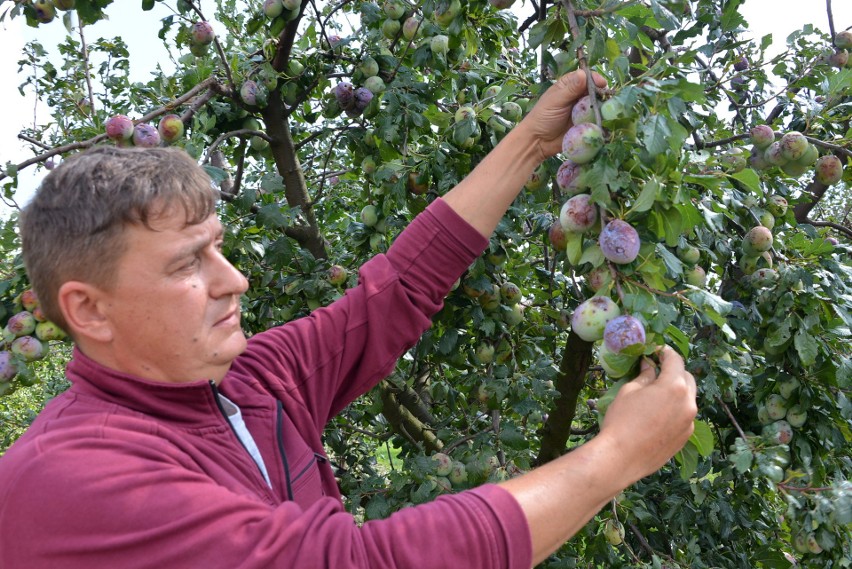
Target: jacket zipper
(233,430)
(279,430)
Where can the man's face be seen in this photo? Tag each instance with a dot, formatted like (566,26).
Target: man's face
(174,311)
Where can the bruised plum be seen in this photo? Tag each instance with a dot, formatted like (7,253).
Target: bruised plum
(568,176)
(344,92)
(623,331)
(557,237)
(582,112)
(8,367)
(28,348)
(619,242)
(202,33)
(598,278)
(829,169)
(793,145)
(145,135)
(578,214)
(589,319)
(582,142)
(22,323)
(762,135)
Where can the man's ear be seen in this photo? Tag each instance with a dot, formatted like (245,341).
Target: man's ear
(81,304)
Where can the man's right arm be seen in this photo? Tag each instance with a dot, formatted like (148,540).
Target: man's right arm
(647,423)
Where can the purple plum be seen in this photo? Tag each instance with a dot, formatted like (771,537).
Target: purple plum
(619,242)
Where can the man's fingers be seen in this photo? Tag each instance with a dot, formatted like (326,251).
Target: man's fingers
(574,86)
(647,373)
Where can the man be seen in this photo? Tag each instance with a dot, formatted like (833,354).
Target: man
(182,444)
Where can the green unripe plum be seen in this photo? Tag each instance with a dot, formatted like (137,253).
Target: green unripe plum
(788,386)
(582,142)
(443,463)
(695,276)
(48,331)
(734,160)
(484,353)
(829,170)
(766,219)
(375,84)
(757,240)
(514,316)
(613,531)
(292,5)
(390,28)
(411,27)
(776,407)
(368,165)
(839,58)
(202,33)
(797,416)
(369,215)
(490,92)
(762,278)
(689,254)
(779,432)
(446,12)
(439,44)
(393,9)
(511,111)
(536,180)
(458,474)
(810,156)
(273,8)
(21,324)
(589,319)
(337,275)
(170,128)
(777,205)
(369,67)
(843,40)
(65,4)
(794,169)
(510,293)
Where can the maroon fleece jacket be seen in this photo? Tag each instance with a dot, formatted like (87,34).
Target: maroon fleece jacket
(123,472)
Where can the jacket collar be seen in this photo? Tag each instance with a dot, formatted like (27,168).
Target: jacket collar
(190,403)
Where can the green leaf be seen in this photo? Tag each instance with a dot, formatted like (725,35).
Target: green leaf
(655,133)
(702,438)
(749,179)
(687,457)
(646,198)
(217,175)
(806,346)
(680,339)
(147,5)
(574,248)
(271,216)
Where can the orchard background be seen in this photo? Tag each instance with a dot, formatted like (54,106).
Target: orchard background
(317,176)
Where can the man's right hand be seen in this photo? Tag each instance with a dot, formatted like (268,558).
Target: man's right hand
(652,416)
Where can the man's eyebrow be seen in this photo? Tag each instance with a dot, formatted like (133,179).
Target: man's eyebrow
(195,247)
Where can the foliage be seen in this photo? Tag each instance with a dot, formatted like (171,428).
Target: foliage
(496,386)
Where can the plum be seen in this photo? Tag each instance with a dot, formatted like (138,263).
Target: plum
(29,300)
(619,242)
(616,365)
(170,128)
(793,145)
(757,240)
(22,323)
(362,98)
(411,27)
(779,432)
(598,278)
(776,205)
(829,170)
(623,331)
(589,319)
(344,92)
(582,112)
(582,142)
(762,136)
(337,275)
(202,33)
(773,154)
(557,237)
(119,128)
(567,177)
(578,214)
(695,276)
(47,331)
(145,135)
(8,367)
(28,348)
(741,63)
(273,8)
(843,40)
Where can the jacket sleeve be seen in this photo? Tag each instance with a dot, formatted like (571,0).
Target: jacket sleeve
(325,360)
(136,504)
